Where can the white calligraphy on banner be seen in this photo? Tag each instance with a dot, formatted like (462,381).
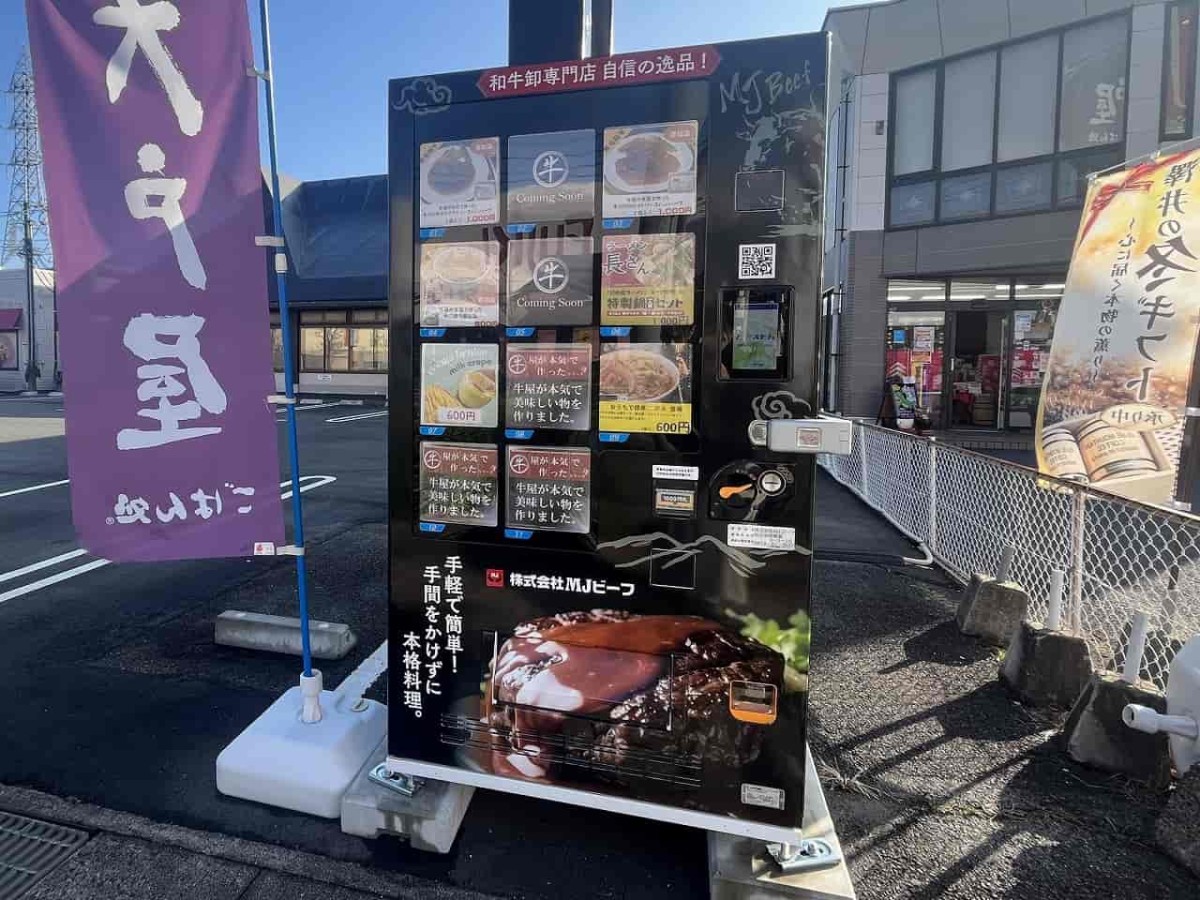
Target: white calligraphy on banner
(168,194)
(142,25)
(162,198)
(144,338)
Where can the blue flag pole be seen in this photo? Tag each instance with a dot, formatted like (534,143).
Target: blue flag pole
(289,363)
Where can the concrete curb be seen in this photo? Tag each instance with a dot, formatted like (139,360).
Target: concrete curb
(281,634)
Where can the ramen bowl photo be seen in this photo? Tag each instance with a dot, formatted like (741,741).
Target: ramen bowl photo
(638,375)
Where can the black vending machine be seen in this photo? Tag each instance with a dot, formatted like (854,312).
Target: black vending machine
(602,272)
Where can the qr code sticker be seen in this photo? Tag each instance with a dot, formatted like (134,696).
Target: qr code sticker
(756,260)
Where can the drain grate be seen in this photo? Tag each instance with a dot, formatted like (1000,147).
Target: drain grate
(30,850)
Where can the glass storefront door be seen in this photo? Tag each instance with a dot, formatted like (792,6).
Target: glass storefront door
(975,349)
(916,350)
(977,368)
(1032,331)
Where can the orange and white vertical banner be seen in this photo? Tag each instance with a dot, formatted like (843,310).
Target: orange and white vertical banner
(1114,403)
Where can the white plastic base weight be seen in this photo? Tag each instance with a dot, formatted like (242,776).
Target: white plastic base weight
(282,761)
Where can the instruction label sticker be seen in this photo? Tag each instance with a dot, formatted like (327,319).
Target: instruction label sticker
(760,795)
(677,473)
(761,537)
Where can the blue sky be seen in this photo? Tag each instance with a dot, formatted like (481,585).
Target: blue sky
(331,71)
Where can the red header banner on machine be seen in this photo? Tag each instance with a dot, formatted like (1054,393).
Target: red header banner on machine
(609,71)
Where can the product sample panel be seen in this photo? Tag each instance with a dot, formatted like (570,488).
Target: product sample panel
(601,272)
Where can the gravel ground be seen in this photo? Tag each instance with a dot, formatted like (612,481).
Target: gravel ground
(940,784)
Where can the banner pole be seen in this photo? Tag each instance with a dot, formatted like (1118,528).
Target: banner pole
(289,363)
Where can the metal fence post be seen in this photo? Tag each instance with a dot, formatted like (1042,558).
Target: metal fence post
(1078,518)
(931,537)
(866,480)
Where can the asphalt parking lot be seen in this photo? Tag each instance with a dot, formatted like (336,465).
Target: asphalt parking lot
(117,696)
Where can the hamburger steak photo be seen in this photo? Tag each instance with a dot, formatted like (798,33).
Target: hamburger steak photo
(622,695)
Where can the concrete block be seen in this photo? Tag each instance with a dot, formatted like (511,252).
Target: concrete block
(281,634)
(1095,735)
(992,610)
(1046,668)
(429,819)
(282,761)
(1178,828)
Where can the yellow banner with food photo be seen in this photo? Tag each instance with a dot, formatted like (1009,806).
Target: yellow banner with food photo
(648,279)
(646,388)
(1115,396)
(458,384)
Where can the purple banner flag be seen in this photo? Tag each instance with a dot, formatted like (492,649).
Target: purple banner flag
(149,126)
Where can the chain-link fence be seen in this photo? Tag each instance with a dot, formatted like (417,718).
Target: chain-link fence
(1118,557)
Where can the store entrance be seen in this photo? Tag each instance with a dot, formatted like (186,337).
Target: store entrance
(977,368)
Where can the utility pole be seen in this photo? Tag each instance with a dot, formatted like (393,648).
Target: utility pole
(26,227)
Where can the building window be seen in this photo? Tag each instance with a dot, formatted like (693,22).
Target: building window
(277,342)
(983,291)
(966,196)
(1179,71)
(913,123)
(8,351)
(1073,175)
(1024,188)
(912,204)
(312,349)
(1014,129)
(903,291)
(1095,58)
(1028,72)
(336,341)
(968,112)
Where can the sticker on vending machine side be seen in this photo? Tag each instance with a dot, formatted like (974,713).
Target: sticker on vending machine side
(650,170)
(549,386)
(549,489)
(761,537)
(460,183)
(760,795)
(646,388)
(458,384)
(676,473)
(458,483)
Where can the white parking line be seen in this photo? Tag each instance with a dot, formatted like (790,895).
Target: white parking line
(306,406)
(360,416)
(54,579)
(35,487)
(313,481)
(308,483)
(44,564)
